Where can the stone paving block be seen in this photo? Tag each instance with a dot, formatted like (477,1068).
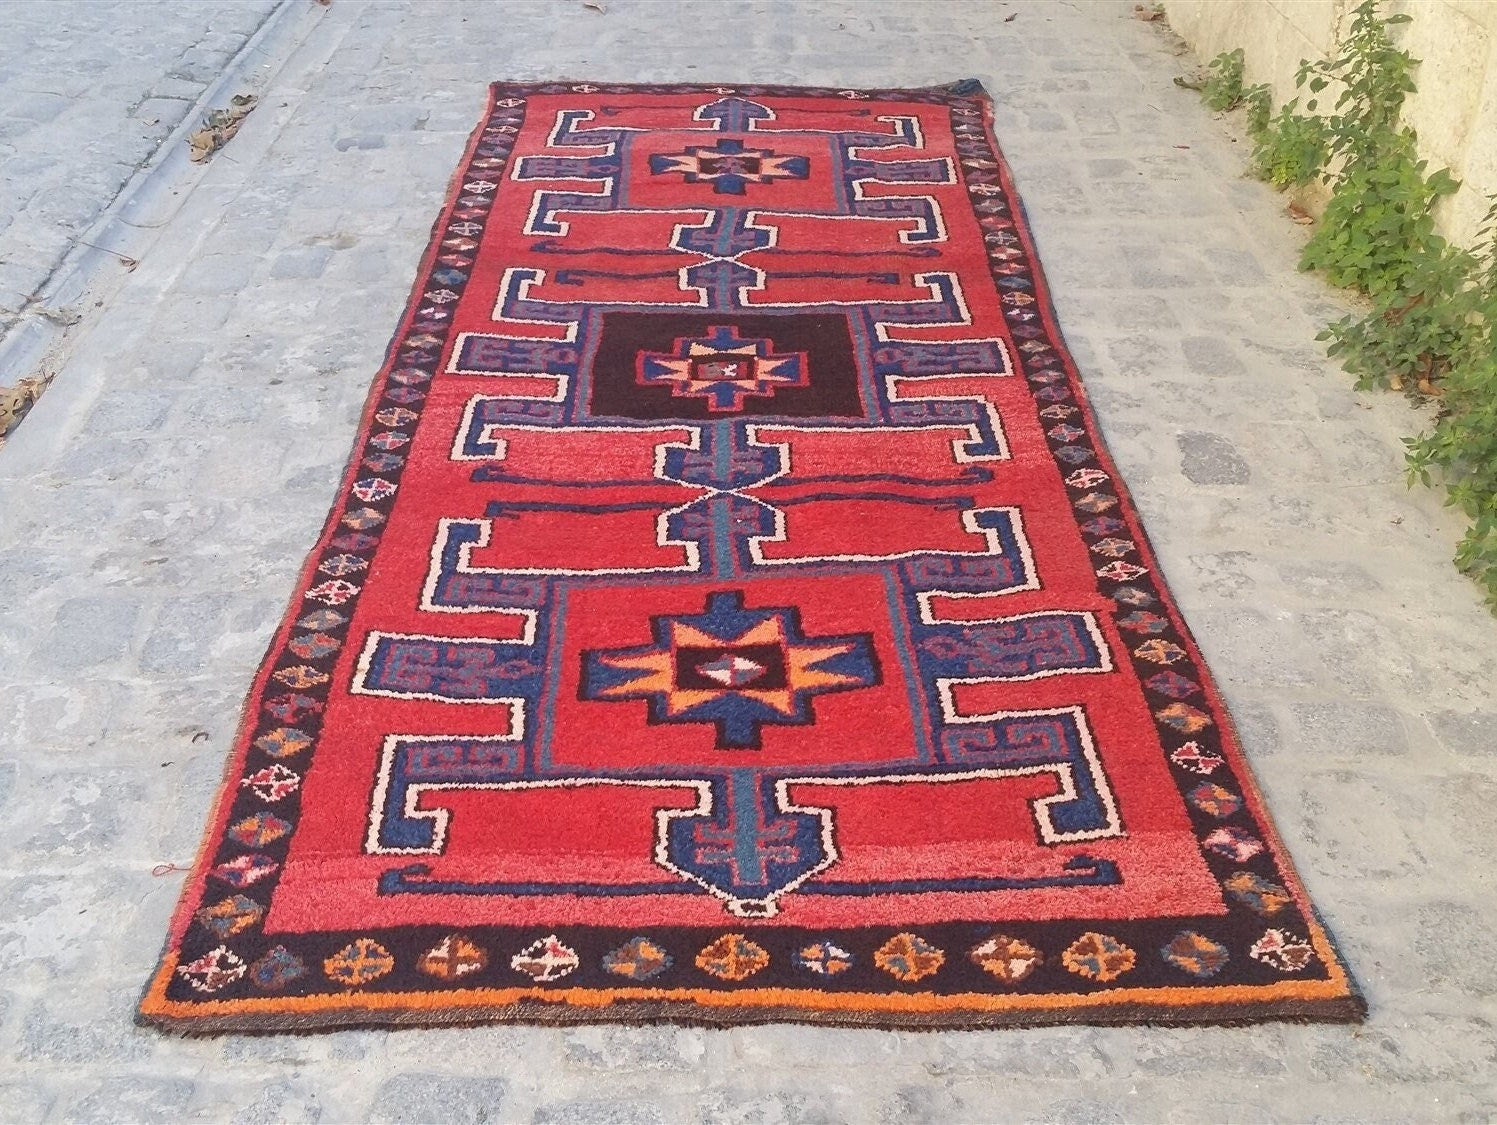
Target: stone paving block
(1211,355)
(1222,631)
(257,1051)
(18,281)
(1333,578)
(171,358)
(1347,731)
(1136,358)
(186,629)
(1251,1052)
(177,86)
(132,1098)
(609,1048)
(1071,1054)
(54,716)
(205,315)
(600,1111)
(1436,1046)
(1257,727)
(200,64)
(1379,839)
(164,112)
(924,1102)
(417,1097)
(222,273)
(1454,946)
(1466,732)
(215,406)
(80,816)
(389,118)
(302,262)
(1468,814)
(127,411)
(1379,657)
(740,1105)
(50,1033)
(786,1045)
(106,460)
(35,107)
(1141,199)
(1211,459)
(1228,574)
(25,1100)
(91,630)
(1236,267)
(26,572)
(278,1102)
(362,142)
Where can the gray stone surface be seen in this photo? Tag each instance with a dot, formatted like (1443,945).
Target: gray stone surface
(155,508)
(89,89)
(1211,459)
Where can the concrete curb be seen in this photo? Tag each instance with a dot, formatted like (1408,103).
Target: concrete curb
(131,224)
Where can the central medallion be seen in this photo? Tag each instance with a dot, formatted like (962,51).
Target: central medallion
(736,668)
(723,368)
(729,166)
(718,365)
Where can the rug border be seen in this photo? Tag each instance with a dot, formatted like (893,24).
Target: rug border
(1337,999)
(727,1010)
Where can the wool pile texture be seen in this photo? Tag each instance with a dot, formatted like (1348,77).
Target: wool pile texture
(730,614)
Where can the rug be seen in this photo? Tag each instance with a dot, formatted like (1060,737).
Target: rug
(730,614)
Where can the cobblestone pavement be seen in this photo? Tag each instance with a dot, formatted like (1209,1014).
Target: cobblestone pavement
(88,91)
(156,505)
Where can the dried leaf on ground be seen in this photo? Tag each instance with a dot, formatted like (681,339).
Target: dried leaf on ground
(16,401)
(1148,13)
(220,126)
(1299,214)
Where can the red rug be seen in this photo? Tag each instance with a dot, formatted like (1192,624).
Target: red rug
(730,614)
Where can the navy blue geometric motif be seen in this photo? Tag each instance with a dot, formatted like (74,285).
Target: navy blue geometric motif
(730,167)
(443,668)
(1020,648)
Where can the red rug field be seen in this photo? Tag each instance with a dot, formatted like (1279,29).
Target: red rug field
(730,614)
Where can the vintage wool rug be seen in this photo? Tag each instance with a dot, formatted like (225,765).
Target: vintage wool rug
(730,614)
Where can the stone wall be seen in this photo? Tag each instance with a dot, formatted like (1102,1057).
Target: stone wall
(1455,110)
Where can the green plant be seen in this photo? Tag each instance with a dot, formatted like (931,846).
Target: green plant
(1289,148)
(1432,327)
(1222,89)
(1258,100)
(1378,225)
(1462,444)
(1409,338)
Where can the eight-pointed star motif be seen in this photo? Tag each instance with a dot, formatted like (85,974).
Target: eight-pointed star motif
(729,166)
(736,668)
